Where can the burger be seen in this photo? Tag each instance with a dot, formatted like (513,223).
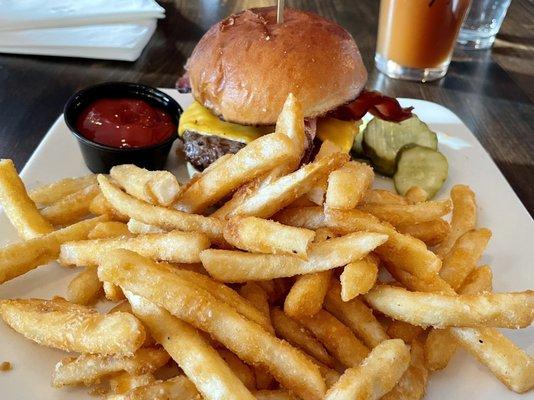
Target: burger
(244,67)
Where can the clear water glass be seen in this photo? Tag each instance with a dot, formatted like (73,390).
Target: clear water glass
(482,23)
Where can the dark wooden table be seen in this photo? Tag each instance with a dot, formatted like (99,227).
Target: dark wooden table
(492,91)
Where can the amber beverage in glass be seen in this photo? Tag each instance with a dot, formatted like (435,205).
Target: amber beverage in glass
(416,37)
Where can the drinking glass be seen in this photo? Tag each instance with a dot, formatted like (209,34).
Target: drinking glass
(482,23)
(416,37)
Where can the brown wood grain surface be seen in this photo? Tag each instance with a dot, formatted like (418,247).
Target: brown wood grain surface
(491,91)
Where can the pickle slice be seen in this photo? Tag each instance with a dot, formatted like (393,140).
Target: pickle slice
(382,140)
(420,166)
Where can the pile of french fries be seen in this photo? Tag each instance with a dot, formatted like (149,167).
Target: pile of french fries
(260,278)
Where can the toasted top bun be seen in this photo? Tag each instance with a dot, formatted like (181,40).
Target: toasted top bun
(244,67)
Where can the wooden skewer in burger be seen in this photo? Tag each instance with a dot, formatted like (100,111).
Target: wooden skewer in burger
(243,68)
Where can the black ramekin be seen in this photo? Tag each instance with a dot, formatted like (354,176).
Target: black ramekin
(100,158)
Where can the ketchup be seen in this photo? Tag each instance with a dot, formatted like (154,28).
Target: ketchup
(125,123)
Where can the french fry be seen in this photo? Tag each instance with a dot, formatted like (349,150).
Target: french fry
(264,236)
(431,232)
(238,198)
(109,229)
(306,296)
(18,206)
(192,304)
(317,193)
(358,277)
(235,266)
(112,292)
(302,201)
(207,369)
(274,395)
(88,369)
(178,387)
(412,384)
(402,330)
(356,315)
(347,185)
(276,289)
(464,216)
(239,368)
(18,258)
(160,216)
(303,217)
(100,206)
(296,334)
(124,382)
(264,380)
(377,374)
(72,207)
(71,327)
(269,199)
(336,337)
(258,157)
(505,310)
(403,251)
(416,194)
(49,194)
(141,228)
(175,246)
(257,296)
(155,187)
(380,196)
(464,254)
(397,214)
(85,287)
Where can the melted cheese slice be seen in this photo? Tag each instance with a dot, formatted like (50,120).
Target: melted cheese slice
(199,119)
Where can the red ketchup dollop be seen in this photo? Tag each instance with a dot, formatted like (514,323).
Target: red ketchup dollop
(125,123)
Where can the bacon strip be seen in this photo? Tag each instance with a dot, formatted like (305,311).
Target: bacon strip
(376,103)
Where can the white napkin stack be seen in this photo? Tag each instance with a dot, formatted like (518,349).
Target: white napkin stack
(103,29)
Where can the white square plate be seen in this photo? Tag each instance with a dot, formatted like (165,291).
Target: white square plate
(510,253)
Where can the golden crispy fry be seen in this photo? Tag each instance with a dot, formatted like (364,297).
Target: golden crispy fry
(100,206)
(160,216)
(356,315)
(85,287)
(416,194)
(307,294)
(49,194)
(317,193)
(462,258)
(112,292)
(431,232)
(299,336)
(18,258)
(440,346)
(154,187)
(258,157)
(302,201)
(175,246)
(18,206)
(257,296)
(109,229)
(397,214)
(336,337)
(377,374)
(358,277)
(380,196)
(140,228)
(402,330)
(88,369)
(347,185)
(412,384)
(303,217)
(235,266)
(264,380)
(192,304)
(72,207)
(464,217)
(239,197)
(71,327)
(206,369)
(124,382)
(264,236)
(269,199)
(402,251)
(505,310)
(274,395)
(178,387)
(276,289)
(239,368)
